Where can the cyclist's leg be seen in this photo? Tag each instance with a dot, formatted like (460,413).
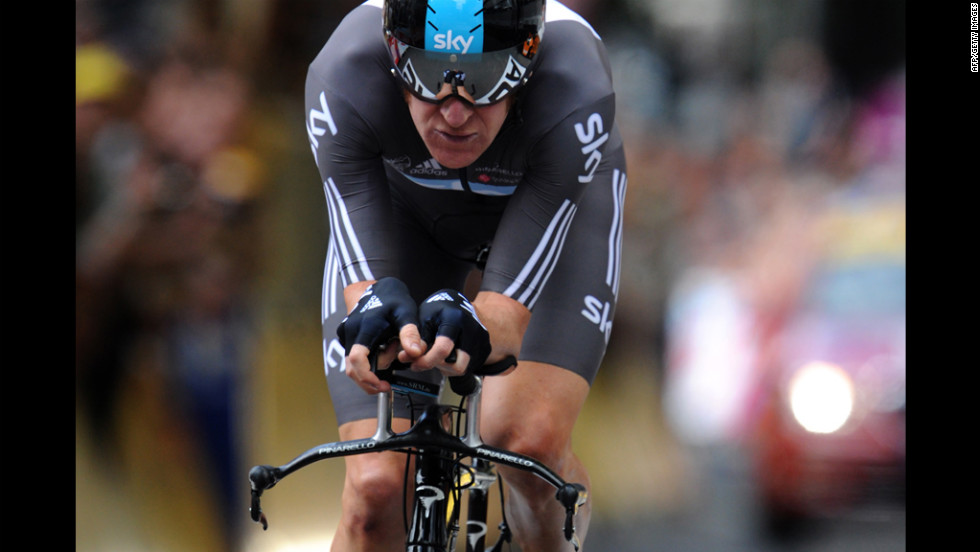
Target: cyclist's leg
(374,487)
(533,410)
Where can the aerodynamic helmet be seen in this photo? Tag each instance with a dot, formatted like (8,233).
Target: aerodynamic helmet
(479,50)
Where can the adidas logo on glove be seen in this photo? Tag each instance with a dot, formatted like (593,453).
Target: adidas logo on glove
(442,296)
(372,303)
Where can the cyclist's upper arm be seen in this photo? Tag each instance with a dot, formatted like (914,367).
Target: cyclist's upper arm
(531,234)
(345,144)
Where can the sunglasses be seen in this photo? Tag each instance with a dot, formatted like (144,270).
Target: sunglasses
(480,78)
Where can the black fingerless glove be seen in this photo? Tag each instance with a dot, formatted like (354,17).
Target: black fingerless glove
(447,312)
(380,313)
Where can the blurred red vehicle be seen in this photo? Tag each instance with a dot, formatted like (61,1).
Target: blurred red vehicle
(829,432)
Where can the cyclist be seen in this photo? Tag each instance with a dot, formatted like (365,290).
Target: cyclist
(457,138)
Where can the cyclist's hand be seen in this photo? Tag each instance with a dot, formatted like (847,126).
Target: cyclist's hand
(450,323)
(384,311)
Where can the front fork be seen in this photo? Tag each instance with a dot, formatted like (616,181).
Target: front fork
(476,522)
(433,486)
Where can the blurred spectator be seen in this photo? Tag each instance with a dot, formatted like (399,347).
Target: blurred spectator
(105,149)
(801,103)
(877,153)
(168,195)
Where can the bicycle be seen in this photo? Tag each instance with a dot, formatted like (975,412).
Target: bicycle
(440,443)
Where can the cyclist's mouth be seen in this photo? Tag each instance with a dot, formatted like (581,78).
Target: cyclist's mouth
(455,139)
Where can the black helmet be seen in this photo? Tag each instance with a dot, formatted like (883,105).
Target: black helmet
(483,49)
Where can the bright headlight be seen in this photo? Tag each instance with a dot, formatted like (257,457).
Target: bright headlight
(821,396)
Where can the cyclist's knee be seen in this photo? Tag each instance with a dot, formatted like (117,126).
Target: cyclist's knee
(538,439)
(373,490)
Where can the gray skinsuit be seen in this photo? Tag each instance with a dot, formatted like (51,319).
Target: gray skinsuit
(546,198)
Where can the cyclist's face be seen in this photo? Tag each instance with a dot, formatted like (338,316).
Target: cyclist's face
(455,132)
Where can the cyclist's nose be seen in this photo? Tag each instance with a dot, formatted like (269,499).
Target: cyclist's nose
(455,111)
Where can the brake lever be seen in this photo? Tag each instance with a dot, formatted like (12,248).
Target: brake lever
(258,516)
(570,535)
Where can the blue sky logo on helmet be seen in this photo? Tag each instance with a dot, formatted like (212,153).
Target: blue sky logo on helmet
(454,26)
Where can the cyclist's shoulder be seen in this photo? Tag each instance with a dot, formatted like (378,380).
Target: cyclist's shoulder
(573,72)
(353,49)
(352,69)
(556,11)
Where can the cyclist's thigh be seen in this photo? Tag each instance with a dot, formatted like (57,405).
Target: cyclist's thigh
(572,319)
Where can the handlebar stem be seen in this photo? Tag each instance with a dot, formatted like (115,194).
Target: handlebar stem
(473,401)
(385,408)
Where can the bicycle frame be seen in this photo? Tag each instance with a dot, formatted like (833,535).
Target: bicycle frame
(428,436)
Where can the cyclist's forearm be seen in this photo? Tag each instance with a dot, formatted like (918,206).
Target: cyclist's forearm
(353,293)
(505,319)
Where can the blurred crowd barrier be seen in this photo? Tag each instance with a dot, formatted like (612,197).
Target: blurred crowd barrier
(199,226)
